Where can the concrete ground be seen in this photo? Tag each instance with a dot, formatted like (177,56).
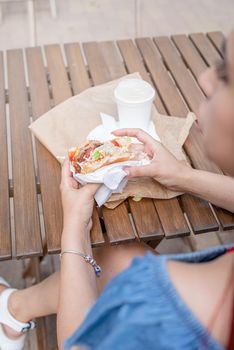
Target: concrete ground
(88,20)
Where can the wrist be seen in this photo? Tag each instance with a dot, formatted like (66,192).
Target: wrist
(184,178)
(75,238)
(74,222)
(83,246)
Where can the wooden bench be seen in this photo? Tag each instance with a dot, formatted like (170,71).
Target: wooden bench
(40,78)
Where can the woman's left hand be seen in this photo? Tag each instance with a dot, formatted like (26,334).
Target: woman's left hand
(77,201)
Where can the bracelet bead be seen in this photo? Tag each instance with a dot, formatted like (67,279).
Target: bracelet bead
(89,259)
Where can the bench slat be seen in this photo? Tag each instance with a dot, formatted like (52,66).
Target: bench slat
(146,219)
(118,225)
(192,58)
(80,81)
(27,226)
(76,66)
(206,49)
(117,222)
(217,39)
(49,168)
(190,91)
(5,230)
(61,91)
(134,64)
(146,228)
(173,220)
(162,80)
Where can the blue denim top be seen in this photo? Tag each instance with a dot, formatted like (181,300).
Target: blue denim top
(141,309)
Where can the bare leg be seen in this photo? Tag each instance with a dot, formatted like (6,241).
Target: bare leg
(115,259)
(42,299)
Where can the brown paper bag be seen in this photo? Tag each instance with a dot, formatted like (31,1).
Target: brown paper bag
(69,123)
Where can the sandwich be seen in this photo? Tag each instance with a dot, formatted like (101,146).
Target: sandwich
(93,155)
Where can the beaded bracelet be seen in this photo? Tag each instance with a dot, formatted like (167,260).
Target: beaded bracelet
(87,258)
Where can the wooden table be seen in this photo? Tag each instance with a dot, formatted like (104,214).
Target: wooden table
(35,79)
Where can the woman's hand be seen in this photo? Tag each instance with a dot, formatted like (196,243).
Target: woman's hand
(164,167)
(77,201)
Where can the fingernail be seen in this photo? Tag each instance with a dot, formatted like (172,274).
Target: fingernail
(126,171)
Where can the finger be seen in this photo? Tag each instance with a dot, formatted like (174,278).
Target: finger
(66,173)
(91,189)
(75,184)
(137,147)
(138,133)
(139,171)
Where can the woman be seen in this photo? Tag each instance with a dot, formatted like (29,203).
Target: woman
(163,302)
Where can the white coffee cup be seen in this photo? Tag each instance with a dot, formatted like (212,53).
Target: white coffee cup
(134,98)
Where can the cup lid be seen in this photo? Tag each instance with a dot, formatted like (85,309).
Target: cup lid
(134,91)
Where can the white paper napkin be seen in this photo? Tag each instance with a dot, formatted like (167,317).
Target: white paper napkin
(109,124)
(112,177)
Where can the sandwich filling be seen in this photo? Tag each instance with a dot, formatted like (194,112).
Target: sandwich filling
(94,154)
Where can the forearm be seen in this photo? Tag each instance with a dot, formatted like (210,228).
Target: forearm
(78,288)
(215,188)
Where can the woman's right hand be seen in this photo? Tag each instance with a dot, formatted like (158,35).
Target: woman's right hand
(164,167)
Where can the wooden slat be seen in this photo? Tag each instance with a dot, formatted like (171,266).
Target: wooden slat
(173,221)
(101,68)
(62,91)
(118,225)
(206,49)
(134,62)
(184,80)
(5,231)
(148,226)
(217,39)
(193,60)
(27,226)
(199,224)
(49,168)
(80,81)
(225,217)
(117,222)
(57,74)
(137,65)
(78,73)
(96,233)
(160,74)
(190,54)
(162,80)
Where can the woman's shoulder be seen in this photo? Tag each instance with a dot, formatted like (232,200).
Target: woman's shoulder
(202,288)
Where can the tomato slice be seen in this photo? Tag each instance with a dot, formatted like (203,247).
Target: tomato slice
(71,155)
(87,152)
(115,143)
